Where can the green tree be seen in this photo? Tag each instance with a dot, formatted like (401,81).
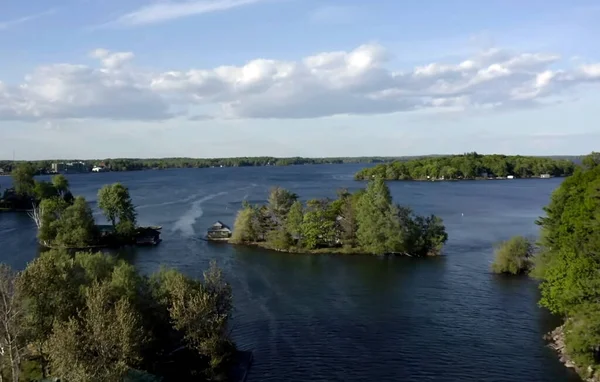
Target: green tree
(114,200)
(247,225)
(76,226)
(44,190)
(293,221)
(101,343)
(22,177)
(61,184)
(374,217)
(279,203)
(318,229)
(513,256)
(12,331)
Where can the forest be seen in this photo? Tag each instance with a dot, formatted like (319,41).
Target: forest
(366,221)
(469,166)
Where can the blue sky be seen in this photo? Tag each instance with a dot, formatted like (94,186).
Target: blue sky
(138,78)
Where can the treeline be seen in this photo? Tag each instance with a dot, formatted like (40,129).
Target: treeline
(133,164)
(569,263)
(469,166)
(89,317)
(366,221)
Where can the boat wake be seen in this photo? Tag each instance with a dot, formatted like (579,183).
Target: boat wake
(185,224)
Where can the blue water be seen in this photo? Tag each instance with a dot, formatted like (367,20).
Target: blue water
(350,318)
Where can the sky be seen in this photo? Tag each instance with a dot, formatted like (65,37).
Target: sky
(314,78)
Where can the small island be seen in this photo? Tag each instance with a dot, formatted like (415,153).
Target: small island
(469,166)
(364,222)
(70,224)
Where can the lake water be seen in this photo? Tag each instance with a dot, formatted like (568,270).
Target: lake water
(350,318)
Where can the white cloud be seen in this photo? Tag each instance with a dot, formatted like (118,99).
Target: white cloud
(170,10)
(356,82)
(11,23)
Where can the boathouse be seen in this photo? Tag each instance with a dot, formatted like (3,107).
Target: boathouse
(218,231)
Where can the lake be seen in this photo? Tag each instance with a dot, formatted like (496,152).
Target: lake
(349,318)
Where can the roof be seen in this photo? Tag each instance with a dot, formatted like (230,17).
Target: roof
(219,225)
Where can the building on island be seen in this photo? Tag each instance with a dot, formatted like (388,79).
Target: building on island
(545,176)
(70,167)
(218,231)
(510,177)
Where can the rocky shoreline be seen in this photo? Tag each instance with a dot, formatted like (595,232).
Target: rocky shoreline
(557,342)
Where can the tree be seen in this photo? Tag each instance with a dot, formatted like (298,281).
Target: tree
(61,184)
(246,228)
(12,331)
(293,221)
(44,190)
(513,256)
(373,217)
(101,343)
(76,226)
(114,200)
(279,204)
(318,229)
(23,181)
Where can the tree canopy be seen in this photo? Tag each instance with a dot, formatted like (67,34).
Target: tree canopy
(364,222)
(569,262)
(89,317)
(513,256)
(114,200)
(468,166)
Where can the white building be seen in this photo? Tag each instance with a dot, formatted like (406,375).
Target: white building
(510,177)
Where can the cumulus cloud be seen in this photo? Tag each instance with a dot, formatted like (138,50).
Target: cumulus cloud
(359,81)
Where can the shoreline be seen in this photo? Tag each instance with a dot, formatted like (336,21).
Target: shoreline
(320,251)
(556,339)
(460,180)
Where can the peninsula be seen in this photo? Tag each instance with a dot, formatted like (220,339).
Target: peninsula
(364,222)
(470,166)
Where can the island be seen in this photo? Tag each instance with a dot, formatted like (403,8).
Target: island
(71,224)
(364,222)
(470,166)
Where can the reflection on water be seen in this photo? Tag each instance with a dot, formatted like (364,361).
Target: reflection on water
(350,318)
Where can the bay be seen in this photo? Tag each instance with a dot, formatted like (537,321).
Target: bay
(349,318)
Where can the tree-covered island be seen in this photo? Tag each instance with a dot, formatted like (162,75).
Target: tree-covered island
(64,224)
(469,166)
(364,222)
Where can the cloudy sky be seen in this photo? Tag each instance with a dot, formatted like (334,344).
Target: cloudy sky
(216,78)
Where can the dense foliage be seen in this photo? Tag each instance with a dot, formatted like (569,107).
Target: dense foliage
(72,225)
(569,262)
(468,166)
(364,222)
(27,191)
(513,256)
(89,317)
